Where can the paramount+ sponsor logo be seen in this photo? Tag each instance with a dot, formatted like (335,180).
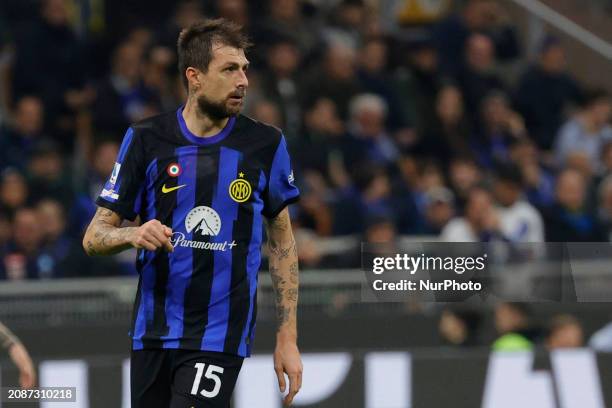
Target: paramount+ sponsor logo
(201,221)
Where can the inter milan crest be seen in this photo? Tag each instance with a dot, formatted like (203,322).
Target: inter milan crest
(240,189)
(174,170)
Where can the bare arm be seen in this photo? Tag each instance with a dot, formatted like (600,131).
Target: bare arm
(105,236)
(20,356)
(283,259)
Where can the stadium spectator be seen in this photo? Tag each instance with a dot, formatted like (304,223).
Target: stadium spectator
(448,134)
(539,181)
(320,147)
(464,174)
(335,79)
(370,196)
(499,128)
(439,209)
(417,80)
(185,13)
(48,174)
(367,98)
(568,219)
(122,98)
(374,78)
(564,331)
(17,140)
(519,220)
(478,78)
(62,251)
(24,258)
(478,16)
(267,112)
(514,327)
(234,10)
(314,209)
(158,62)
(50,42)
(369,140)
(459,327)
(281,85)
(14,191)
(347,23)
(480,222)
(285,17)
(544,92)
(580,140)
(88,182)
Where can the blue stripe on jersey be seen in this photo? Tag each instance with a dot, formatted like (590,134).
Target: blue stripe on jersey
(181,260)
(125,145)
(147,277)
(219,305)
(114,181)
(252,264)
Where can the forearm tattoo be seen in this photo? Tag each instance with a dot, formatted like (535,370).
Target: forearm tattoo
(106,238)
(283,260)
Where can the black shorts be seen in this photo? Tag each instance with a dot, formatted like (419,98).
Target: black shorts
(169,378)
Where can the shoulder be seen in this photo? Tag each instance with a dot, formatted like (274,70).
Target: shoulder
(457,229)
(260,130)
(528,210)
(570,128)
(163,125)
(157,122)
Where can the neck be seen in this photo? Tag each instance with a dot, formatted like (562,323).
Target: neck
(200,123)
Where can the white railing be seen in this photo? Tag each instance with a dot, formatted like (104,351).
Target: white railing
(562,23)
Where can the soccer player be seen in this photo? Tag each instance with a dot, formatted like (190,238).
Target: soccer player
(202,179)
(20,356)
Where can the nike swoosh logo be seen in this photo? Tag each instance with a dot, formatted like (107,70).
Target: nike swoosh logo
(170,189)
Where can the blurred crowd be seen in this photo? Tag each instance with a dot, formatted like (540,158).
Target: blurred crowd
(516,327)
(391,133)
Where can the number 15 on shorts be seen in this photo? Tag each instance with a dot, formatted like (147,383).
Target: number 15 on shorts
(211,373)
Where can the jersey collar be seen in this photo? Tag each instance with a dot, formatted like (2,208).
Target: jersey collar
(204,140)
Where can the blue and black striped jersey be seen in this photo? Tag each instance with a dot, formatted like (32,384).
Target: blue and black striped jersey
(213,192)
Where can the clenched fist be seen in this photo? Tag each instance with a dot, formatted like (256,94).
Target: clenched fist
(152,235)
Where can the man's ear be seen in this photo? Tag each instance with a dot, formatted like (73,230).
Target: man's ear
(193,77)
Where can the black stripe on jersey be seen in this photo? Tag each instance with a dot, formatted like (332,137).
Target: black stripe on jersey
(164,208)
(252,326)
(239,287)
(197,294)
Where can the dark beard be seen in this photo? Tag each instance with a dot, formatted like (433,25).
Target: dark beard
(215,110)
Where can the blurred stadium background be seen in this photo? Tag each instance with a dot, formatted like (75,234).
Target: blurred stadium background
(409,120)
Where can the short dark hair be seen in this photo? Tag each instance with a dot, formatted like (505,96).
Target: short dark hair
(195,43)
(509,173)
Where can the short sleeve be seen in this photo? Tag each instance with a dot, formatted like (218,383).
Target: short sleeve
(121,192)
(281,190)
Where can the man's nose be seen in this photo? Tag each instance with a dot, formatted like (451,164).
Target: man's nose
(243,81)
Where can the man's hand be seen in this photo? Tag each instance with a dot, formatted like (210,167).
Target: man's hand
(21,358)
(287,360)
(283,260)
(151,235)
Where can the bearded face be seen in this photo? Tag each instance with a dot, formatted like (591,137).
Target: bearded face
(222,108)
(221,90)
